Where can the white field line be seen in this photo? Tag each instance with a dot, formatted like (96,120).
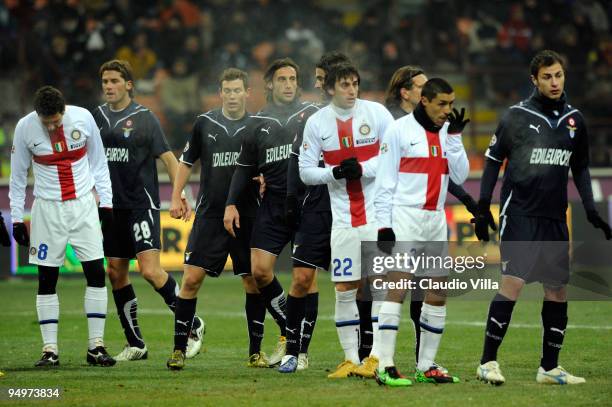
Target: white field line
(240,315)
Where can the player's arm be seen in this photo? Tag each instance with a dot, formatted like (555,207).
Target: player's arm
(463,196)
(579,163)
(173,168)
(385,119)
(308,162)
(99,166)
(387,176)
(458,164)
(21,158)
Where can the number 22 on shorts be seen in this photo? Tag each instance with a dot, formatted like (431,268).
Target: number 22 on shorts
(343,267)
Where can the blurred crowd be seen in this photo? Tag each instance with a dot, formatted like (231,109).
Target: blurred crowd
(178,47)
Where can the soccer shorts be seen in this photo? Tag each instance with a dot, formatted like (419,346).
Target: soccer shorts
(134,231)
(421,232)
(535,249)
(55,224)
(311,247)
(270,232)
(209,245)
(346,251)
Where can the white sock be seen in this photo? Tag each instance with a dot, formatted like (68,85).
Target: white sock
(375,323)
(96,301)
(432,325)
(388,324)
(347,324)
(47,307)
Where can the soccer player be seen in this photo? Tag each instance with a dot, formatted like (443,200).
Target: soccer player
(421,151)
(215,141)
(63,145)
(266,147)
(401,98)
(5,239)
(542,138)
(347,132)
(308,212)
(133,140)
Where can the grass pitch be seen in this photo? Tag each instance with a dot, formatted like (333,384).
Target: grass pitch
(219,376)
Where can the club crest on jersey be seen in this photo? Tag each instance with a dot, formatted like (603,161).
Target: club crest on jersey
(346,142)
(364,129)
(384,148)
(32,251)
(58,147)
(305,146)
(435,151)
(126,131)
(571,126)
(75,134)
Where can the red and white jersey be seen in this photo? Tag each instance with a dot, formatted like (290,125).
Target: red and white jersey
(414,168)
(66,164)
(340,134)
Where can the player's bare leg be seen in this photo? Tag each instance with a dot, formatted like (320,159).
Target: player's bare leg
(347,325)
(296,309)
(255,309)
(262,267)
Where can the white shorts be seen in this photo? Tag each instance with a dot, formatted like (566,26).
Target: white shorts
(54,224)
(413,225)
(346,251)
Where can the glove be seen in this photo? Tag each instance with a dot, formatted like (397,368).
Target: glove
(457,121)
(106,221)
(291,211)
(483,220)
(596,220)
(386,240)
(5,239)
(20,234)
(471,205)
(349,169)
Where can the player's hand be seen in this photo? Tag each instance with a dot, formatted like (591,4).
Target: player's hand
(186,207)
(483,221)
(596,220)
(5,239)
(291,211)
(457,121)
(231,218)
(177,209)
(20,234)
(262,184)
(386,240)
(106,220)
(349,169)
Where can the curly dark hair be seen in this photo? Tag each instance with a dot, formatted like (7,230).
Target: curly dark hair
(338,72)
(49,101)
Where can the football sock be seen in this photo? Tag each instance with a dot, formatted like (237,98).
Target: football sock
(347,324)
(96,303)
(415,316)
(388,324)
(432,325)
(375,324)
(127,308)
(47,307)
(183,319)
(498,320)
(554,320)
(311,312)
(169,291)
(365,328)
(275,303)
(255,308)
(295,315)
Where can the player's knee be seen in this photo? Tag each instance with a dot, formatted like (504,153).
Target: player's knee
(301,283)
(117,276)
(47,279)
(191,283)
(94,272)
(249,284)
(151,274)
(262,276)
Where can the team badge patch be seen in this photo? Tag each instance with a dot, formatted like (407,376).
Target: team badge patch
(384,148)
(75,135)
(435,151)
(571,126)
(58,147)
(33,251)
(346,142)
(493,140)
(364,129)
(305,146)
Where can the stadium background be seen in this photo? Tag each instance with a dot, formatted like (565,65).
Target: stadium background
(179,47)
